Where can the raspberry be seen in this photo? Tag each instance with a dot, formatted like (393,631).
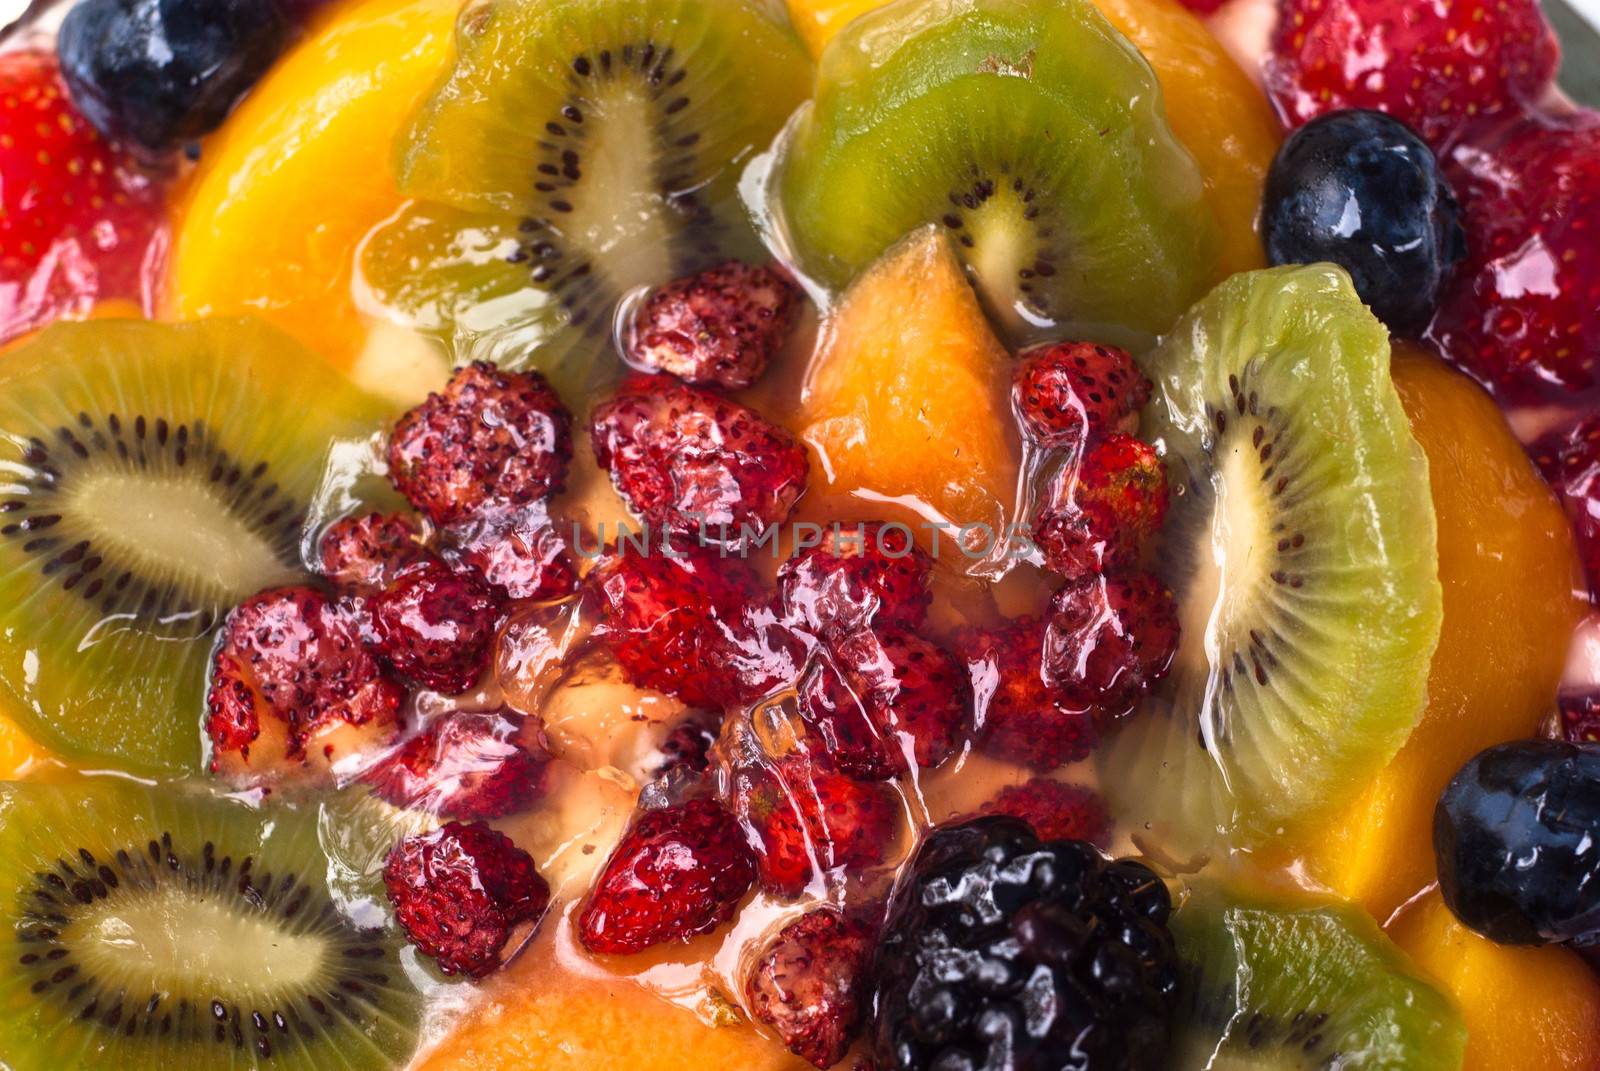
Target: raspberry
(1067,392)
(861,575)
(811,821)
(459,890)
(677,872)
(1020,716)
(1102,515)
(687,460)
(466,765)
(492,438)
(1056,811)
(883,694)
(811,984)
(1570,461)
(1110,638)
(1435,67)
(363,554)
(518,551)
(1522,315)
(434,628)
(717,328)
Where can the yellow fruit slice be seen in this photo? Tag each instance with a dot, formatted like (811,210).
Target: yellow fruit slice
(1526,1009)
(20,755)
(907,408)
(1508,569)
(298,176)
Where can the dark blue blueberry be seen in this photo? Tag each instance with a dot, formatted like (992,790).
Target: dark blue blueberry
(1517,838)
(1359,189)
(158,74)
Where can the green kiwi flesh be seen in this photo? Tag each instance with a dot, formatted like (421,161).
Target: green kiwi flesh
(1034,133)
(151,928)
(576,152)
(1277,985)
(1302,547)
(154,476)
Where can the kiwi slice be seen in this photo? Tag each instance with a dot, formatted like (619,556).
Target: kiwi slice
(576,152)
(1034,133)
(1301,545)
(154,475)
(1282,985)
(146,927)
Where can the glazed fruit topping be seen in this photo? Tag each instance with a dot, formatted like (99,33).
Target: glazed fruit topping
(811,984)
(1055,810)
(1021,716)
(434,627)
(1110,638)
(869,574)
(519,551)
(1103,513)
(1435,67)
(492,440)
(1066,392)
(466,765)
(717,328)
(458,892)
(688,460)
(363,554)
(677,872)
(1002,952)
(1569,458)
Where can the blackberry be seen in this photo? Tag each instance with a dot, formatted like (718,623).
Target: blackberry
(1006,953)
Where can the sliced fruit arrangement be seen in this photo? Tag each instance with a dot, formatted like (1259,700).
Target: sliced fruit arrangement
(1303,551)
(167,927)
(932,113)
(576,153)
(159,476)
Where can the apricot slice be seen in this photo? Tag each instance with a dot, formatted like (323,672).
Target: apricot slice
(1508,569)
(906,408)
(1526,1009)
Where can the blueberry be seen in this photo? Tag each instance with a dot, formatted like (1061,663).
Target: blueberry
(157,74)
(1361,190)
(1517,838)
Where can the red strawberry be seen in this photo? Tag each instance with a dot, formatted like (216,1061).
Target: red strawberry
(811,984)
(1067,392)
(292,685)
(1203,7)
(1434,66)
(364,553)
(881,695)
(1570,461)
(1523,312)
(77,219)
(717,328)
(811,821)
(519,551)
(434,628)
(686,459)
(466,765)
(677,872)
(458,892)
(1056,811)
(1020,716)
(1102,514)
(1110,638)
(861,575)
(759,654)
(492,438)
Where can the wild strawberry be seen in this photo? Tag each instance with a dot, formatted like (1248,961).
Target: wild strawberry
(881,696)
(1203,7)
(1110,638)
(1435,67)
(519,551)
(687,459)
(1570,461)
(717,328)
(77,219)
(459,890)
(1020,716)
(760,654)
(363,554)
(1056,811)
(468,765)
(677,872)
(1103,513)
(866,574)
(811,821)
(492,438)
(434,628)
(811,984)
(1523,313)
(1067,392)
(1580,718)
(689,743)
(288,679)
